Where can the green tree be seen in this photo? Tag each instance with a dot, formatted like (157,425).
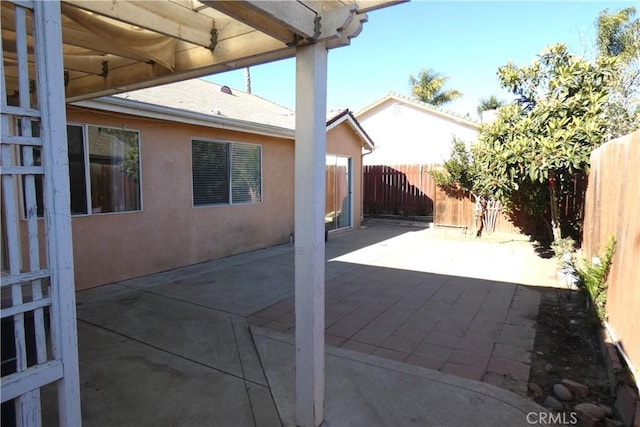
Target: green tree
(529,155)
(491,103)
(460,173)
(429,87)
(618,36)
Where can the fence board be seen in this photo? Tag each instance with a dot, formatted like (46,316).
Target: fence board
(611,208)
(410,190)
(398,190)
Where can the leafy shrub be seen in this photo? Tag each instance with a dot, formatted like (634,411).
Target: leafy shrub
(593,278)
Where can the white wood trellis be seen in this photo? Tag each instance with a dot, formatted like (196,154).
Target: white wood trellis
(38,299)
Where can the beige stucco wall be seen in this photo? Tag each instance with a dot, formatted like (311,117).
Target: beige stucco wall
(170,232)
(342,140)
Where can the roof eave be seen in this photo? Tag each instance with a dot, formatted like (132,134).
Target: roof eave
(348,116)
(423,106)
(143,109)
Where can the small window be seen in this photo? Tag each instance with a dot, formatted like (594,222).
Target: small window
(113,163)
(77,176)
(114,169)
(246,174)
(210,169)
(226,173)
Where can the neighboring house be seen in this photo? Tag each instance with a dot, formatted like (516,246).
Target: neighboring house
(412,132)
(183,173)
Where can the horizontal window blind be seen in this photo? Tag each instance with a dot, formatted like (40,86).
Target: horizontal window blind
(246,174)
(210,168)
(226,173)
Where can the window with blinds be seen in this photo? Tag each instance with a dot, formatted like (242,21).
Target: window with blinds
(226,173)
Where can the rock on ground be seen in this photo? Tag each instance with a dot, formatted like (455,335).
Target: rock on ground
(562,392)
(594,411)
(536,390)
(576,387)
(552,403)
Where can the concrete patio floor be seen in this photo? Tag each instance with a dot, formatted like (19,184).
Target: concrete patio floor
(176,348)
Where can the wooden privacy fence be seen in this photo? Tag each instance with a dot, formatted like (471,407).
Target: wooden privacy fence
(459,211)
(612,207)
(409,190)
(398,190)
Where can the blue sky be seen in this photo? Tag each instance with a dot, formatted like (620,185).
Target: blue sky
(466,41)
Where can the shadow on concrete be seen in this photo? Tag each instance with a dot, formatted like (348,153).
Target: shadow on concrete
(175,348)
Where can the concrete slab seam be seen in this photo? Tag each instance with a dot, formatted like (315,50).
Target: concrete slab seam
(505,397)
(266,377)
(167,352)
(246,388)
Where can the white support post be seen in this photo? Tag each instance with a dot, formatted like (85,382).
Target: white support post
(310,151)
(55,160)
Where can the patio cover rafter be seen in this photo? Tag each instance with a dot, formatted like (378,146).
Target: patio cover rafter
(163,17)
(116,46)
(288,22)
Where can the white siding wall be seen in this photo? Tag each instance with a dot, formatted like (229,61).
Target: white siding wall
(407,135)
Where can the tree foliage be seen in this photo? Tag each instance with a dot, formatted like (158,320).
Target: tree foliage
(531,152)
(618,36)
(491,103)
(460,173)
(566,106)
(429,87)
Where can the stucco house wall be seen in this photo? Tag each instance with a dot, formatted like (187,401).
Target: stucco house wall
(340,141)
(409,132)
(169,231)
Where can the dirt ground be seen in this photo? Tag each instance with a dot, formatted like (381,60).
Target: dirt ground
(567,346)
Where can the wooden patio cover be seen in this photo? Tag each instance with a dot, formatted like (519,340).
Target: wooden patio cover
(118,46)
(112,46)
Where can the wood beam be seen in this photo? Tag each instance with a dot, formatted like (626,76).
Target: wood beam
(85,39)
(117,80)
(161,17)
(11,71)
(95,64)
(191,61)
(310,152)
(289,21)
(150,46)
(8,19)
(72,35)
(369,5)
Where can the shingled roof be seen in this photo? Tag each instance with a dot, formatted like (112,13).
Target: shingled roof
(206,103)
(204,97)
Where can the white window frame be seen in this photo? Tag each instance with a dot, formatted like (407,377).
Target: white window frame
(350,184)
(87,169)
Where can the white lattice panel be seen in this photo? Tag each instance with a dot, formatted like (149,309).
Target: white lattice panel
(39,343)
